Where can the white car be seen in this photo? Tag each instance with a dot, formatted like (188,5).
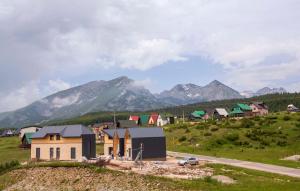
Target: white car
(188,160)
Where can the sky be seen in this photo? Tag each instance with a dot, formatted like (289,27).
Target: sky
(51,45)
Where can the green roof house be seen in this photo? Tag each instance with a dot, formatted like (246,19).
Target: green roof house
(197,114)
(241,110)
(144,120)
(26,140)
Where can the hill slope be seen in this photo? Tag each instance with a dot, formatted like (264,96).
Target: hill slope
(120,94)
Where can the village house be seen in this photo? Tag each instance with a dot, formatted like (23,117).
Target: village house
(149,143)
(26,140)
(7,133)
(28,129)
(259,109)
(69,142)
(197,115)
(97,130)
(241,110)
(126,124)
(291,108)
(220,113)
(144,120)
(156,119)
(134,118)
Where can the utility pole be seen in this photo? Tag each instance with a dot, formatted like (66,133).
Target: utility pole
(115,125)
(141,158)
(183,116)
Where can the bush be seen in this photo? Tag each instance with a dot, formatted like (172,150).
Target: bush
(281,143)
(214,129)
(187,130)
(207,134)
(181,139)
(8,165)
(286,118)
(246,123)
(232,137)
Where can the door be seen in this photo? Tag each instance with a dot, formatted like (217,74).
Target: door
(73,153)
(57,153)
(51,153)
(121,146)
(38,153)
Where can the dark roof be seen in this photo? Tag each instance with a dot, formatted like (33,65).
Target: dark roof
(111,132)
(126,123)
(144,132)
(139,132)
(64,131)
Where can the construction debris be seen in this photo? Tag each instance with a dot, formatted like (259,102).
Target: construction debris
(223,179)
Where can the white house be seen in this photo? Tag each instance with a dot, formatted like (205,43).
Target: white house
(28,129)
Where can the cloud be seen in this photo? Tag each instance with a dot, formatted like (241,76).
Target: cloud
(151,53)
(31,92)
(59,102)
(52,39)
(20,97)
(58,85)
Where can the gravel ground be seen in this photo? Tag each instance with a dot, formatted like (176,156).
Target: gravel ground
(61,178)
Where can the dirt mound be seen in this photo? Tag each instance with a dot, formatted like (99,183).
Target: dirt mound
(293,158)
(62,178)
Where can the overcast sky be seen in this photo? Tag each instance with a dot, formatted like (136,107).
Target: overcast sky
(51,45)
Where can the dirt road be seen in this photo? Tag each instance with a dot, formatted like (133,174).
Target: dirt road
(293,172)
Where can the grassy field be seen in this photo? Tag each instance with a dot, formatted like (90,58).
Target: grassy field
(261,139)
(9,150)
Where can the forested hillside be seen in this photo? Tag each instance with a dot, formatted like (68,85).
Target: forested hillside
(276,102)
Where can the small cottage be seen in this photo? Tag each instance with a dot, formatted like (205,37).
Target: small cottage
(28,129)
(134,118)
(220,113)
(291,108)
(259,109)
(26,140)
(147,143)
(144,120)
(7,133)
(126,124)
(241,110)
(97,130)
(69,142)
(197,115)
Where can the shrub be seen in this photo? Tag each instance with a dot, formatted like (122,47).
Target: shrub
(232,137)
(8,165)
(214,129)
(246,123)
(286,118)
(220,141)
(187,130)
(181,139)
(207,134)
(281,143)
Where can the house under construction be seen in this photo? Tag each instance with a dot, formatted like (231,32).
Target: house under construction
(132,143)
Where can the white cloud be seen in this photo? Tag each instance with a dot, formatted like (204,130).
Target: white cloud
(31,92)
(20,97)
(59,102)
(49,38)
(151,53)
(58,85)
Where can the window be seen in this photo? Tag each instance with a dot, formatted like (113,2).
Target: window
(57,153)
(73,153)
(38,153)
(57,137)
(51,137)
(51,153)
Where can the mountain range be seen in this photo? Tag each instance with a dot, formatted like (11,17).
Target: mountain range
(120,94)
(263,91)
